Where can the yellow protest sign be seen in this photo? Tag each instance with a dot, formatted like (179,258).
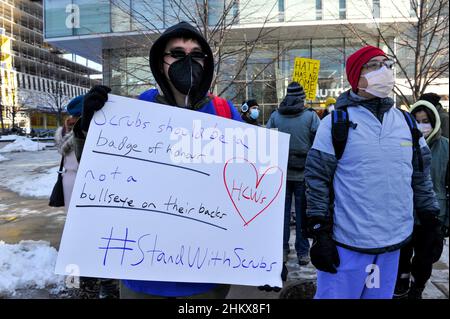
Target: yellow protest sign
(306,72)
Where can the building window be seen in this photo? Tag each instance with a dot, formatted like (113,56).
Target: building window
(376,8)
(281,10)
(95,16)
(236,11)
(342,9)
(151,15)
(318,9)
(413,9)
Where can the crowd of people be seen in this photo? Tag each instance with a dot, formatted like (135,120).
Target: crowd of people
(370,181)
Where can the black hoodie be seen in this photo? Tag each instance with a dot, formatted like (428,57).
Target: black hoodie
(186,31)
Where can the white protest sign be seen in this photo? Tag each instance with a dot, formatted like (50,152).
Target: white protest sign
(168,194)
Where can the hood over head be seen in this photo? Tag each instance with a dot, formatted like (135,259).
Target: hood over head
(186,31)
(432,113)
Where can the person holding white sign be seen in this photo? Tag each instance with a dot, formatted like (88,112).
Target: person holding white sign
(182,64)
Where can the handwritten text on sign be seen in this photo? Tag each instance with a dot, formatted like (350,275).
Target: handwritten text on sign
(167,194)
(306,72)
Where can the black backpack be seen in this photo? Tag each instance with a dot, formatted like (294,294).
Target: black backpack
(340,125)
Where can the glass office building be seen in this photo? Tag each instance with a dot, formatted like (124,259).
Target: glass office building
(34,76)
(263,39)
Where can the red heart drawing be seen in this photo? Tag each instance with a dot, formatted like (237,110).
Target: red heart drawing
(257,184)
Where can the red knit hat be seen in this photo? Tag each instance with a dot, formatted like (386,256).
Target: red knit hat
(356,61)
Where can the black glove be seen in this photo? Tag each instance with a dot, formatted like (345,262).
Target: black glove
(284,273)
(431,224)
(430,237)
(324,254)
(93,101)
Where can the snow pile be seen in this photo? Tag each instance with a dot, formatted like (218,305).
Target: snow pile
(28,265)
(35,185)
(23,144)
(2,158)
(8,137)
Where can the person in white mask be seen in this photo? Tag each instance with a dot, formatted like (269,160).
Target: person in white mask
(250,111)
(367,178)
(377,78)
(413,273)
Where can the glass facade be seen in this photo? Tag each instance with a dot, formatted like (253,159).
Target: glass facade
(331,74)
(81,17)
(127,71)
(261,72)
(342,9)
(245,70)
(76,17)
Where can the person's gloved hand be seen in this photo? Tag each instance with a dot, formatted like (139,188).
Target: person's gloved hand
(323,253)
(93,101)
(431,236)
(284,273)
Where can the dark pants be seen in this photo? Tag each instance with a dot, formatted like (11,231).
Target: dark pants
(421,265)
(298,190)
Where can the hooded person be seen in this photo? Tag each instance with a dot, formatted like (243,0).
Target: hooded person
(434,99)
(182,65)
(250,111)
(413,274)
(361,199)
(301,123)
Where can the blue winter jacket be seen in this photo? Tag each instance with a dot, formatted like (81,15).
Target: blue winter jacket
(375,183)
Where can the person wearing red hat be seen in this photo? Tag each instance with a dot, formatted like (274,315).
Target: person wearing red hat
(360,198)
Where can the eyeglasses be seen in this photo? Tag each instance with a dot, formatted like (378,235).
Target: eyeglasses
(181,54)
(375,65)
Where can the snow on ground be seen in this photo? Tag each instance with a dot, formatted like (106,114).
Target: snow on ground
(36,185)
(2,158)
(28,265)
(30,174)
(8,137)
(23,144)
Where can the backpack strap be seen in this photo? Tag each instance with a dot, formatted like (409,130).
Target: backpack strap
(340,124)
(416,135)
(221,106)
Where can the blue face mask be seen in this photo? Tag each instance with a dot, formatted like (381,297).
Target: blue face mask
(254,114)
